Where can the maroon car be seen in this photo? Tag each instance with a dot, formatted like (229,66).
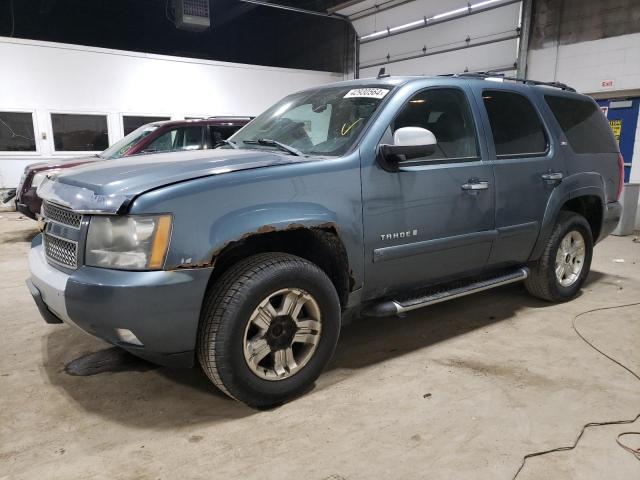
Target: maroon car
(170,135)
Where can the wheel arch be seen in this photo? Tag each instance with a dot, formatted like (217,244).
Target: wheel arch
(583,194)
(320,244)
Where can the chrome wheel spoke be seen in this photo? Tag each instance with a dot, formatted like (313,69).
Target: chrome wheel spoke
(292,303)
(263,316)
(284,361)
(258,348)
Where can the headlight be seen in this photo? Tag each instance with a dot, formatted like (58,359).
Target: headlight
(40,176)
(137,242)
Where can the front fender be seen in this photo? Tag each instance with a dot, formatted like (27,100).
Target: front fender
(270,217)
(578,185)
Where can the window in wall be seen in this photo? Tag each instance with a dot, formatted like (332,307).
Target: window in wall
(79,133)
(133,122)
(16,132)
(445,112)
(182,138)
(583,123)
(515,124)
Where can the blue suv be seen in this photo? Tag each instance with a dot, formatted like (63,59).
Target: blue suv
(370,197)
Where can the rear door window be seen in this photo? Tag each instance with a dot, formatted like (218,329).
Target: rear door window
(515,124)
(583,123)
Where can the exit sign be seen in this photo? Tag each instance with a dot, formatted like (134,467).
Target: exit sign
(607,84)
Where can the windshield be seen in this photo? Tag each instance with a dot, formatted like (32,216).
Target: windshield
(121,147)
(320,122)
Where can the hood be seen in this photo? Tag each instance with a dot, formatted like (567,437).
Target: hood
(61,163)
(107,186)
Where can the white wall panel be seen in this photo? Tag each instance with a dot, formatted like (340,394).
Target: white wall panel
(45,77)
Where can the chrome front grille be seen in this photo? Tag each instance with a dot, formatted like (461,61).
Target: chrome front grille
(61,251)
(62,215)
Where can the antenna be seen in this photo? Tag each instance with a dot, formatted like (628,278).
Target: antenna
(382,74)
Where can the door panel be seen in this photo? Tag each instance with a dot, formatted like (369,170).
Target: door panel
(517,132)
(420,225)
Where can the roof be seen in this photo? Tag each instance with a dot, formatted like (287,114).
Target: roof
(393,81)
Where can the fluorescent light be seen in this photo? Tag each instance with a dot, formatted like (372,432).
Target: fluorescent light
(484,4)
(449,13)
(374,34)
(425,21)
(408,25)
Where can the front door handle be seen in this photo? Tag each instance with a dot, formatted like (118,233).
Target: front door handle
(472,185)
(552,177)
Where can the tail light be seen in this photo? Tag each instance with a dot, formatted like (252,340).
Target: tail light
(621,179)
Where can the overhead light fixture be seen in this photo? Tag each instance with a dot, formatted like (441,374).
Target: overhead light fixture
(425,21)
(408,25)
(450,13)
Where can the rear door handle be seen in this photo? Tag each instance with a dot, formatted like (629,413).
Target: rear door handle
(475,185)
(552,177)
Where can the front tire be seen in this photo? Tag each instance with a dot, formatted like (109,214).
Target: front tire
(269,326)
(560,272)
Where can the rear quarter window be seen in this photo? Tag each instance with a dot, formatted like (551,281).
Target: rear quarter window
(583,123)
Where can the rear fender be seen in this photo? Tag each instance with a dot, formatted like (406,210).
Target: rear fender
(578,185)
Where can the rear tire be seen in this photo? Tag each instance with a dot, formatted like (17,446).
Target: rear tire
(560,272)
(268,327)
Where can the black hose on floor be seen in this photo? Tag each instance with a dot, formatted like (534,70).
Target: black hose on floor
(594,424)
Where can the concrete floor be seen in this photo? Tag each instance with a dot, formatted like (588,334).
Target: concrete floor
(506,376)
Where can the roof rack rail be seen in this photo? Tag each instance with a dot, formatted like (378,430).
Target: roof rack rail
(524,81)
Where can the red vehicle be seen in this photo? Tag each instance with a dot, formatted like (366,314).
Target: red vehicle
(153,137)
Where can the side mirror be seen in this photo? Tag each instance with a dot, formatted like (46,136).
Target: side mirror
(408,143)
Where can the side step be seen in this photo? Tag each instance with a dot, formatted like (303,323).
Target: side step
(445,292)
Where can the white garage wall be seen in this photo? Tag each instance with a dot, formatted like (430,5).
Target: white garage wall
(585,65)
(46,77)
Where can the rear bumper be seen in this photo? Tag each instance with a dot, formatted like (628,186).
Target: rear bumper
(162,309)
(610,219)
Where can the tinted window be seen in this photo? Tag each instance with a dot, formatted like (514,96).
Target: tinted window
(445,112)
(131,123)
(515,124)
(78,133)
(16,132)
(183,138)
(583,124)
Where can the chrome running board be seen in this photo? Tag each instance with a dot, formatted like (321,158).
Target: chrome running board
(443,293)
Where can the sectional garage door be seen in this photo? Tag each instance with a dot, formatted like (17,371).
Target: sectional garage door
(425,37)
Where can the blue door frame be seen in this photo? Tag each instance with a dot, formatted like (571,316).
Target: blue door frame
(624,121)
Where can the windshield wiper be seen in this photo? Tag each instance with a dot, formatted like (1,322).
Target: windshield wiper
(226,142)
(274,143)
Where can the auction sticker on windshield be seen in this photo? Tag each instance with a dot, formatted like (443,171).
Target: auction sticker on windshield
(367,93)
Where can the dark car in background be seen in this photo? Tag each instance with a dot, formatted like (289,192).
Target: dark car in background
(155,137)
